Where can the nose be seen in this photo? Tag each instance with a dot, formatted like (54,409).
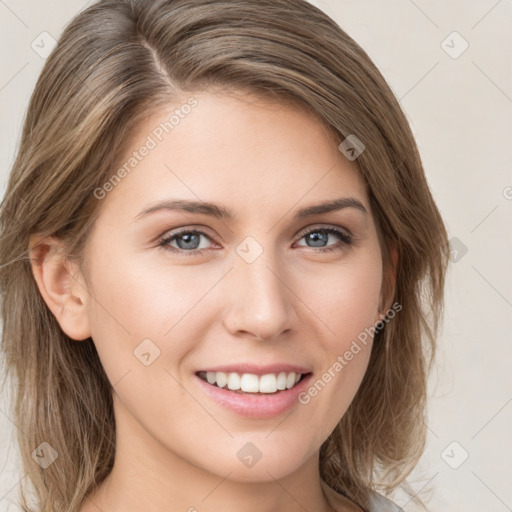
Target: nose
(261,302)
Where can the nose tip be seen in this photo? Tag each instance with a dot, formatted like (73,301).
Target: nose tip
(260,303)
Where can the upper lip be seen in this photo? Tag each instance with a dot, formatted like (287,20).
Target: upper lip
(257,369)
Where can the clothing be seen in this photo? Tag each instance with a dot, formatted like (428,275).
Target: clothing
(380,503)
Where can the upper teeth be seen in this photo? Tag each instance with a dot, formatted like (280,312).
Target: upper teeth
(251,383)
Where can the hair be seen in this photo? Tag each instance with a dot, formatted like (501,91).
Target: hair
(116,63)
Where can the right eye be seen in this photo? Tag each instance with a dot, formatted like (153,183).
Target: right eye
(188,241)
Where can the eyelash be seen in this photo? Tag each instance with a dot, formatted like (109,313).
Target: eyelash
(163,242)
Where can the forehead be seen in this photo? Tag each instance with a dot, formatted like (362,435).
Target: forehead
(255,154)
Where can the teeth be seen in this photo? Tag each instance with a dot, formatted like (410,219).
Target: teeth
(281,381)
(268,383)
(251,383)
(221,379)
(234,381)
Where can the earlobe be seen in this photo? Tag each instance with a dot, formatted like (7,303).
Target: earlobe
(61,285)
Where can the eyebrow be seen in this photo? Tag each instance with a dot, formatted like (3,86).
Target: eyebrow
(221,212)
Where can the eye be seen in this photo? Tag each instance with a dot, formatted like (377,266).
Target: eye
(321,235)
(188,241)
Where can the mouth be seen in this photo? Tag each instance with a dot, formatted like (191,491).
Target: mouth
(250,383)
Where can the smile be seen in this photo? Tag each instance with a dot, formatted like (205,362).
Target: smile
(255,395)
(251,383)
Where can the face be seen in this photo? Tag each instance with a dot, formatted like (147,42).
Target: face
(247,288)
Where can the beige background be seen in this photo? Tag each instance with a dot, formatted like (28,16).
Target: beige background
(460,110)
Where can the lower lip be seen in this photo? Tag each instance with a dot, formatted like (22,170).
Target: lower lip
(255,405)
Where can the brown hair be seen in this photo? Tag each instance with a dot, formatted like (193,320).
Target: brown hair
(115,63)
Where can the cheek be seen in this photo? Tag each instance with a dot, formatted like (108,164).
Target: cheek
(353,319)
(345,298)
(130,312)
(142,307)
(140,300)
(347,306)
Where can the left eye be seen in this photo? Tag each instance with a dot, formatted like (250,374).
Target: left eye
(188,241)
(312,236)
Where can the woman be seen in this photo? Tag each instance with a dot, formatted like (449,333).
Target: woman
(222,268)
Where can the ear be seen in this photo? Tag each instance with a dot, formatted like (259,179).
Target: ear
(61,285)
(388,284)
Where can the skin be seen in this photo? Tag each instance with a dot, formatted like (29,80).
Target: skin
(176,448)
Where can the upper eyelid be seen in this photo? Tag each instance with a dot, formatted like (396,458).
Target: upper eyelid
(302,232)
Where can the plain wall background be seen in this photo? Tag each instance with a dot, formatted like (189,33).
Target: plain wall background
(460,109)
